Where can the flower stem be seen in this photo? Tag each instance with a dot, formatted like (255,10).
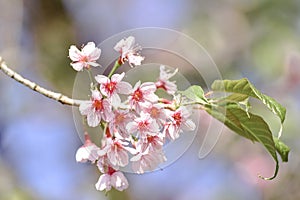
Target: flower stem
(115,67)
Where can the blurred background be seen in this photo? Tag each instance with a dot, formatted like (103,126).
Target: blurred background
(255,39)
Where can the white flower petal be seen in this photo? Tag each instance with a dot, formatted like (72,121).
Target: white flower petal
(117,77)
(74,53)
(93,119)
(78,66)
(124,87)
(95,54)
(119,181)
(88,48)
(104,183)
(102,79)
(85,107)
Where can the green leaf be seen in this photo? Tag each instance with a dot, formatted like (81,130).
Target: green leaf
(244,87)
(282,149)
(248,125)
(195,93)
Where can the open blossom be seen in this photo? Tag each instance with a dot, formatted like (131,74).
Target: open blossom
(179,120)
(143,125)
(142,95)
(147,160)
(96,109)
(163,82)
(119,122)
(129,51)
(114,86)
(85,58)
(116,152)
(153,142)
(157,112)
(88,151)
(110,179)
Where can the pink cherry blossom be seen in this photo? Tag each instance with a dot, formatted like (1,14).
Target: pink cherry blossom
(163,82)
(96,109)
(179,120)
(147,160)
(142,95)
(114,86)
(143,125)
(153,142)
(110,179)
(129,51)
(85,58)
(116,152)
(88,151)
(118,124)
(157,112)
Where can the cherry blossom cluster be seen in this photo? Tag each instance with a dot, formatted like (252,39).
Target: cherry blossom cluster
(136,122)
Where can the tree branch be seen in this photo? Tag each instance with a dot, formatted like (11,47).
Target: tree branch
(35,87)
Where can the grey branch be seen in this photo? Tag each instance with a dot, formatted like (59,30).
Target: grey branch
(35,87)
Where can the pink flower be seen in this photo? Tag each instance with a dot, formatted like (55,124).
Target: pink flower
(114,86)
(96,109)
(119,122)
(110,179)
(116,152)
(143,95)
(153,142)
(147,161)
(143,125)
(88,151)
(163,82)
(85,58)
(157,112)
(129,51)
(179,120)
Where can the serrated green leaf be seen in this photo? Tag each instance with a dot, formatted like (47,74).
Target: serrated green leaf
(195,93)
(236,98)
(282,149)
(244,87)
(248,125)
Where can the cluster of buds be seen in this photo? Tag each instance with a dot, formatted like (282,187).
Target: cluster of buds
(136,122)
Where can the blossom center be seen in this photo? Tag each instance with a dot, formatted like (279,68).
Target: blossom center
(110,171)
(110,87)
(143,125)
(177,117)
(137,95)
(120,118)
(84,59)
(98,104)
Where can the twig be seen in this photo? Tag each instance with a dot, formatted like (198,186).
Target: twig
(35,87)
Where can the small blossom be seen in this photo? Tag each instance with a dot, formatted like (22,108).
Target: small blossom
(88,151)
(153,142)
(163,82)
(119,122)
(147,161)
(85,58)
(179,121)
(157,112)
(116,152)
(143,95)
(110,179)
(114,86)
(143,125)
(96,109)
(129,51)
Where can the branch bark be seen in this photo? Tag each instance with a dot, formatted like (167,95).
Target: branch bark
(35,87)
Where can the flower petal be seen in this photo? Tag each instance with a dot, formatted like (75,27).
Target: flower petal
(78,66)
